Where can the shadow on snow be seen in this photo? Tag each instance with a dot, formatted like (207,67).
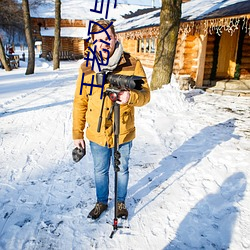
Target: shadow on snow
(23,110)
(209,225)
(190,153)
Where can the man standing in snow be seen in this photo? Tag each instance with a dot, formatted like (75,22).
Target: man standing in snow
(87,106)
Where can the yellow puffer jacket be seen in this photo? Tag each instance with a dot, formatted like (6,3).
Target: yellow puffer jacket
(86,107)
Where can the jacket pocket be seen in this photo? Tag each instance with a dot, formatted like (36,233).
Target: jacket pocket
(126,120)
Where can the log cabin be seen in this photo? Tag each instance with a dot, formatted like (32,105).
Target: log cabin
(73,37)
(213,41)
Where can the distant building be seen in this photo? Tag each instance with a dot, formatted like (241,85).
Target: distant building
(74,24)
(73,37)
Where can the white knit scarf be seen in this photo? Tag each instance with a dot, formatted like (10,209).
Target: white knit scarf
(113,60)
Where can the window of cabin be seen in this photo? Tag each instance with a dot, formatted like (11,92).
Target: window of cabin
(152,45)
(146,45)
(140,45)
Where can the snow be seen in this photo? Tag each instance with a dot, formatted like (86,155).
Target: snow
(145,20)
(192,10)
(197,9)
(78,9)
(156,3)
(189,169)
(67,32)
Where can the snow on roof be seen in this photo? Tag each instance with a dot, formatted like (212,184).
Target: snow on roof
(197,9)
(38,42)
(139,21)
(79,32)
(192,10)
(78,9)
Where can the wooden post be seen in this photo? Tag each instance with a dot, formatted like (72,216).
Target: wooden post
(145,45)
(140,41)
(201,60)
(149,45)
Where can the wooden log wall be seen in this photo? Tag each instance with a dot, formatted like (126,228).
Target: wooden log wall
(186,56)
(47,45)
(185,59)
(66,44)
(209,57)
(245,60)
(50,22)
(146,59)
(79,46)
(190,56)
(131,46)
(179,59)
(73,45)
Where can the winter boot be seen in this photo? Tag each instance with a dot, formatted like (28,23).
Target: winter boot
(122,211)
(97,210)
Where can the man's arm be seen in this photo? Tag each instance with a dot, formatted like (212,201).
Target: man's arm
(80,106)
(140,97)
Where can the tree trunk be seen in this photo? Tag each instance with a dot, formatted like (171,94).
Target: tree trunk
(3,57)
(56,59)
(169,27)
(29,38)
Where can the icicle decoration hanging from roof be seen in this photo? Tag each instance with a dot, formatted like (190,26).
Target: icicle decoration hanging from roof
(205,27)
(218,26)
(246,25)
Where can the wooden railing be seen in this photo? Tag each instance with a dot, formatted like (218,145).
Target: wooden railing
(64,55)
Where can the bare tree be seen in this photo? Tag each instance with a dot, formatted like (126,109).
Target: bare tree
(169,27)
(56,59)
(11,16)
(28,33)
(3,57)
(11,24)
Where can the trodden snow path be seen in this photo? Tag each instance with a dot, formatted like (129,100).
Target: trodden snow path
(189,170)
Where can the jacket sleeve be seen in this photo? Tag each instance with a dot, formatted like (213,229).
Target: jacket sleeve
(80,106)
(141,97)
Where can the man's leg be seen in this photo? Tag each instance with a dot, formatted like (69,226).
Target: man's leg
(123,174)
(101,156)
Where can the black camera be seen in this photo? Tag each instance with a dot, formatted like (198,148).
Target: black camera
(119,81)
(78,153)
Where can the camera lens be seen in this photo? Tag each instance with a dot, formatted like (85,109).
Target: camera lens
(113,96)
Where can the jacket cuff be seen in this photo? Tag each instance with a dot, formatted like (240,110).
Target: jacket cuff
(132,98)
(77,135)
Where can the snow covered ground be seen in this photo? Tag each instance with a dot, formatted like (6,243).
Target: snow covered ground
(189,170)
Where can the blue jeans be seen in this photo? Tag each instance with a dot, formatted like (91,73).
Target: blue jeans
(102,158)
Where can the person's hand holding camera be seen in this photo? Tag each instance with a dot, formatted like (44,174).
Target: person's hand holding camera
(123,97)
(79,143)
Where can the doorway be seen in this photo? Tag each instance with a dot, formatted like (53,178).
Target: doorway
(227,55)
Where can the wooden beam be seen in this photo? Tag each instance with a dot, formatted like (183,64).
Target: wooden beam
(201,60)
